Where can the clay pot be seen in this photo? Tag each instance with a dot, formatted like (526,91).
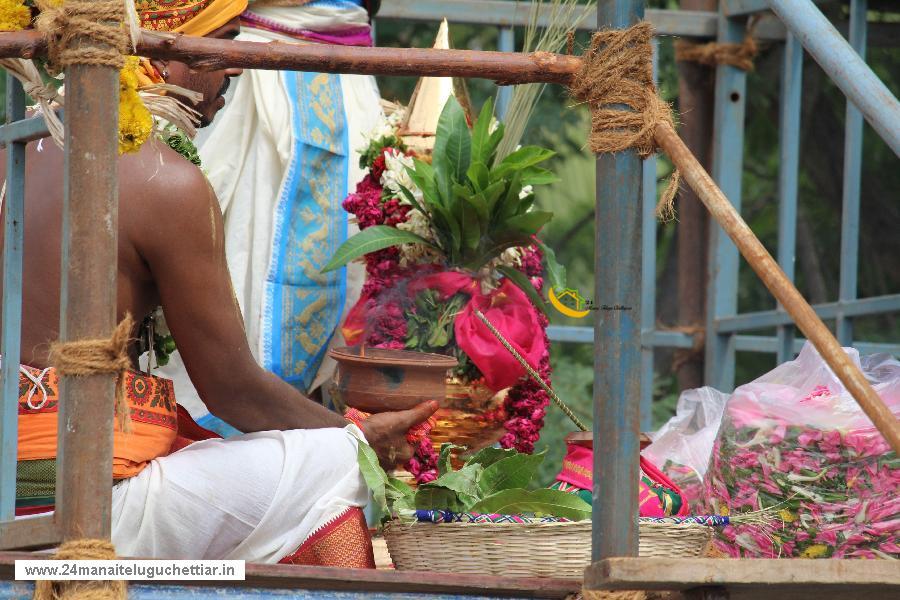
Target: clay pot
(379,380)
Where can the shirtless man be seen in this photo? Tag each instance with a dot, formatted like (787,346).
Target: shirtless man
(256,497)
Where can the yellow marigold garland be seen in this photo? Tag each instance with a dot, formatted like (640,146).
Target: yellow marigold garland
(14,15)
(135,121)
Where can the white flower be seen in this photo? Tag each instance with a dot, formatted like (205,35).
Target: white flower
(526,191)
(386,127)
(418,224)
(494,125)
(511,257)
(411,254)
(395,175)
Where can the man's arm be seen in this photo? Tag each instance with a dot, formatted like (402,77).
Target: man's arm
(183,244)
(181,237)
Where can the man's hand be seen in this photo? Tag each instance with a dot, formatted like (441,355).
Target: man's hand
(386,432)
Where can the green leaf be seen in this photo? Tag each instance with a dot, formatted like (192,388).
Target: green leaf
(530,222)
(452,147)
(371,239)
(488,456)
(412,200)
(493,141)
(514,472)
(544,502)
(373,474)
(556,273)
(519,278)
(521,159)
(479,175)
(480,133)
(538,176)
(506,207)
(492,193)
(446,453)
(464,481)
(438,498)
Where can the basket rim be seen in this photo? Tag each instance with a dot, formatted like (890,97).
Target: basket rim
(564,524)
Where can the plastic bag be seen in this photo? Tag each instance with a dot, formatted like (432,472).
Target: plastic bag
(683,445)
(794,442)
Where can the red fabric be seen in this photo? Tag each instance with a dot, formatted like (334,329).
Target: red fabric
(189,432)
(343,542)
(508,309)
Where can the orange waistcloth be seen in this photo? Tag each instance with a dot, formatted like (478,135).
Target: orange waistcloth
(154,420)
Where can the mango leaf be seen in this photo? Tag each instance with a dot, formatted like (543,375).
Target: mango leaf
(447,223)
(556,273)
(371,239)
(530,222)
(521,159)
(452,147)
(373,474)
(514,472)
(493,141)
(422,174)
(438,498)
(444,464)
(464,481)
(488,456)
(399,494)
(481,133)
(507,205)
(479,175)
(519,278)
(492,193)
(542,502)
(412,200)
(538,176)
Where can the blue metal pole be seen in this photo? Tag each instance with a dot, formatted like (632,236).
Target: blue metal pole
(853,138)
(648,276)
(617,333)
(727,164)
(844,66)
(791,86)
(505,43)
(13,241)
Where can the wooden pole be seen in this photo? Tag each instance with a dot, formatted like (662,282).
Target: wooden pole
(88,298)
(210,54)
(778,283)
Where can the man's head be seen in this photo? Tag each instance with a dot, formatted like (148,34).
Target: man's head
(208,18)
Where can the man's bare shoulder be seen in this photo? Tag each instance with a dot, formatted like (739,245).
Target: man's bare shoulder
(167,201)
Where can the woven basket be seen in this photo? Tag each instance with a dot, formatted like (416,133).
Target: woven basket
(525,550)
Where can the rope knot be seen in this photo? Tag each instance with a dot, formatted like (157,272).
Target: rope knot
(80,358)
(721,53)
(83,32)
(616,81)
(82,590)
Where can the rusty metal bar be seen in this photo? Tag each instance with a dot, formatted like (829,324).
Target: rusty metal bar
(88,298)
(780,286)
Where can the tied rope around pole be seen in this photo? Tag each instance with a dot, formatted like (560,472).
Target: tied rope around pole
(45,589)
(83,32)
(712,54)
(97,357)
(616,80)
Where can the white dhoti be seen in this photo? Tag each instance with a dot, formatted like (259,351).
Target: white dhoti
(255,497)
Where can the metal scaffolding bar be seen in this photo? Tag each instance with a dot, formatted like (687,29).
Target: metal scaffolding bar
(727,165)
(789,164)
(844,66)
(13,241)
(617,377)
(853,148)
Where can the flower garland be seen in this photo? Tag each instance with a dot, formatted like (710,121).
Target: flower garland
(377,200)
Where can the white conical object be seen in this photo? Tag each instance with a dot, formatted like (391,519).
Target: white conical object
(431,94)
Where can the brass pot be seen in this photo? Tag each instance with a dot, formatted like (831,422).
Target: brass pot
(471,416)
